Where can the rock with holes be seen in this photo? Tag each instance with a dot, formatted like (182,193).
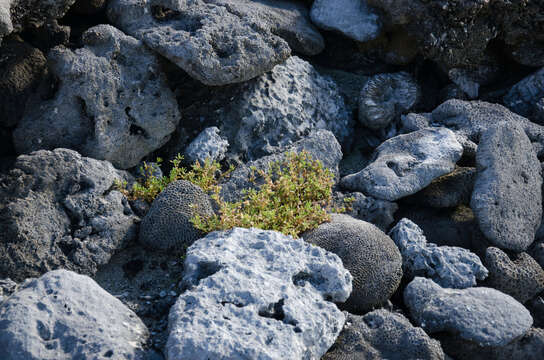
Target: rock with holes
(257,294)
(219,42)
(353,18)
(207,145)
(65,316)
(59,210)
(167,225)
(382,334)
(525,96)
(448,266)
(405,164)
(112,102)
(482,315)
(507,196)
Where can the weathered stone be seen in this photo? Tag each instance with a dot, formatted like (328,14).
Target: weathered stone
(405,164)
(59,210)
(375,211)
(207,145)
(65,316)
(259,295)
(112,103)
(507,196)
(524,96)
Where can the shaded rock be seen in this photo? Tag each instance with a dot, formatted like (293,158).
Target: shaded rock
(523,97)
(353,18)
(7,287)
(207,145)
(482,315)
(257,294)
(385,97)
(88,7)
(507,196)
(21,69)
(167,225)
(369,255)
(405,164)
(536,250)
(382,334)
(219,42)
(450,267)
(61,316)
(449,190)
(375,211)
(49,35)
(59,210)
(518,275)
(470,80)
(112,102)
(536,307)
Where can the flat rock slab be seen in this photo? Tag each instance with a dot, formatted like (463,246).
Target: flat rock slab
(112,103)
(219,42)
(405,164)
(507,195)
(482,315)
(257,295)
(65,316)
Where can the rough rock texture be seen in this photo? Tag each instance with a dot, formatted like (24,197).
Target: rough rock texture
(167,225)
(523,97)
(382,334)
(369,255)
(112,102)
(375,211)
(519,276)
(21,69)
(219,42)
(207,145)
(65,316)
(507,196)
(281,107)
(449,190)
(59,210)
(7,287)
(537,249)
(257,295)
(450,267)
(385,97)
(15,15)
(320,144)
(405,164)
(353,18)
(482,315)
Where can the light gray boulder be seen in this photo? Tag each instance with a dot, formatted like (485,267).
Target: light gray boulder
(382,334)
(65,316)
(59,210)
(219,42)
(482,315)
(112,102)
(207,145)
(525,96)
(257,295)
(405,164)
(448,266)
(353,18)
(507,196)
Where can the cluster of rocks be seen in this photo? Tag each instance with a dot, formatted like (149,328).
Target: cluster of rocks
(430,116)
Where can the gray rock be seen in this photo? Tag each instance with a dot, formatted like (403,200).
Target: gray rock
(385,97)
(450,267)
(281,107)
(65,316)
(536,250)
(219,42)
(369,255)
(257,295)
(405,164)
(382,334)
(167,225)
(320,144)
(518,275)
(470,80)
(7,287)
(375,211)
(353,18)
(207,145)
(482,315)
(59,210)
(112,103)
(507,196)
(523,97)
